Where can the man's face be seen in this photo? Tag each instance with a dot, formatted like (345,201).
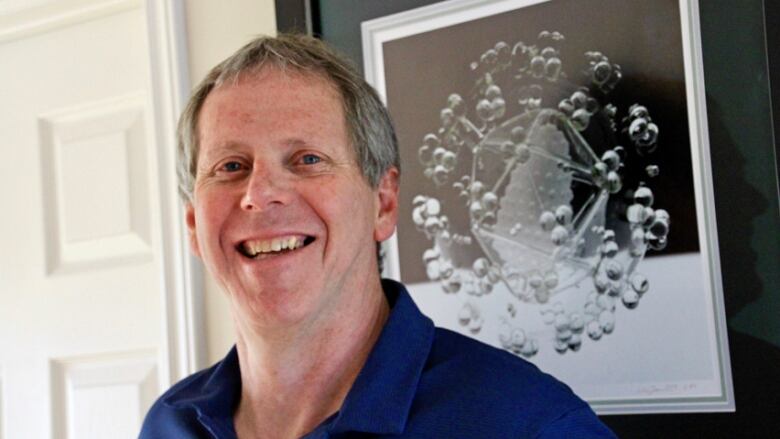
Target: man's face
(276,170)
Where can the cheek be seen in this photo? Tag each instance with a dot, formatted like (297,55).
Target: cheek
(356,214)
(210,221)
(339,209)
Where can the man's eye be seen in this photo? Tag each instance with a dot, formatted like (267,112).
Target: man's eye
(231,166)
(310,159)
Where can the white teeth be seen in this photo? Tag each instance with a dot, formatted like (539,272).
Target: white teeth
(253,248)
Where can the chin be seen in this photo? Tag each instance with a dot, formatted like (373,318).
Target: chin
(273,308)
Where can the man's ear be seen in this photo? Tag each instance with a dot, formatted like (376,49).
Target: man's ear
(387,205)
(189,217)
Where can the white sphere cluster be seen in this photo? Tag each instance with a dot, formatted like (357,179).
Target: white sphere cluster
(568,327)
(580,107)
(649,227)
(641,129)
(470,317)
(602,73)
(516,341)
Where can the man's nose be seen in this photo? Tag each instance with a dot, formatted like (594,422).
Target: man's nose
(265,188)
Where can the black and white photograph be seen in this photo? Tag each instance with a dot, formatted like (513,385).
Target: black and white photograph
(557,190)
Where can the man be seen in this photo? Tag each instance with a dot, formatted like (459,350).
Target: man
(289,170)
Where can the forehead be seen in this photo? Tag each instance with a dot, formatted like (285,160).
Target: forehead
(271,85)
(270,104)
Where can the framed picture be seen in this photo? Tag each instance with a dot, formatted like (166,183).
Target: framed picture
(557,190)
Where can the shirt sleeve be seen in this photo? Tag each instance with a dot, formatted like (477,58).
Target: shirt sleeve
(581,423)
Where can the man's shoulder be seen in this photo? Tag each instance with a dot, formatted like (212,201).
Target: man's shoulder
(488,386)
(174,414)
(187,389)
(483,364)
(166,418)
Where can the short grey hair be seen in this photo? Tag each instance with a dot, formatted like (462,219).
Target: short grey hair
(368,121)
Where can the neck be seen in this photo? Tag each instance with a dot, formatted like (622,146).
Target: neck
(294,379)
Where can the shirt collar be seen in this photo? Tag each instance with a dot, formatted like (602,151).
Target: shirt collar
(380,398)
(213,394)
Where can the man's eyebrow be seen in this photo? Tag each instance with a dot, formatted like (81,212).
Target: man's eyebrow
(295,142)
(218,150)
(235,146)
(228,146)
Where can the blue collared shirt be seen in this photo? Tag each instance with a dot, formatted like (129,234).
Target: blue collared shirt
(418,382)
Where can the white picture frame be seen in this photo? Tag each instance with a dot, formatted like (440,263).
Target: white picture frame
(671,353)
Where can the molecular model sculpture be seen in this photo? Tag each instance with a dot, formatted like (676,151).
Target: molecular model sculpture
(536,157)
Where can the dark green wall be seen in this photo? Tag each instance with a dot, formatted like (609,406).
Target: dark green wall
(738,97)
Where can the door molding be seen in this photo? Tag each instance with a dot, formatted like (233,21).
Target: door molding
(183,346)
(26,22)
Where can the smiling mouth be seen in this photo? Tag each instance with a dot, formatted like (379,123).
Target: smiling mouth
(265,247)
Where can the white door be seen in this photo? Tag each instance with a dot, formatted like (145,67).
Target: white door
(81,264)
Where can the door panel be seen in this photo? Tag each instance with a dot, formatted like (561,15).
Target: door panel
(80,290)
